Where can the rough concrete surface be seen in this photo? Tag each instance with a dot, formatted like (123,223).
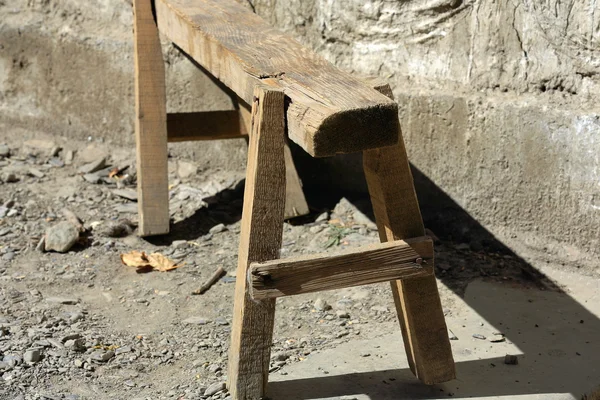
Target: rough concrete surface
(552,334)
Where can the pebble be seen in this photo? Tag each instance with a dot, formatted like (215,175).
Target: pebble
(32,356)
(214,388)
(321,305)
(35,172)
(129,194)
(62,300)
(217,229)
(479,336)
(92,178)
(342,314)
(4,150)
(186,169)
(61,237)
(101,356)
(510,359)
(196,321)
(93,166)
(10,178)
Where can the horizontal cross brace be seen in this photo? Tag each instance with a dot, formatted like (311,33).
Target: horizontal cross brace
(208,125)
(353,267)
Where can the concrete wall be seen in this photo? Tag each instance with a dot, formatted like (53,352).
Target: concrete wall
(498,98)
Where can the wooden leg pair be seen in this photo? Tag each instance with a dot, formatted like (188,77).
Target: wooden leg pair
(260,281)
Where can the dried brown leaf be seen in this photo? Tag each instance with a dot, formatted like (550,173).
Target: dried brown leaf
(137,259)
(161,263)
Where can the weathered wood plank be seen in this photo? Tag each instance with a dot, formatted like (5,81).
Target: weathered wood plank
(328,112)
(417,300)
(205,125)
(150,123)
(260,240)
(352,267)
(295,202)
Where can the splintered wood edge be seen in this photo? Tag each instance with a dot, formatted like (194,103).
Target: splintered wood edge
(353,267)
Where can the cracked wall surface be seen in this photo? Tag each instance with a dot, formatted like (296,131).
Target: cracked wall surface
(498,99)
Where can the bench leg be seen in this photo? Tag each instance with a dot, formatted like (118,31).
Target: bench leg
(260,240)
(150,123)
(417,300)
(295,202)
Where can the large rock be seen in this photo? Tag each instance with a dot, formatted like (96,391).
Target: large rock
(61,237)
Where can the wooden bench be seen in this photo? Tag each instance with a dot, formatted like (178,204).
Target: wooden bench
(292,93)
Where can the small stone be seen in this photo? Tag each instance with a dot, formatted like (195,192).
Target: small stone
(92,178)
(75,344)
(10,178)
(129,194)
(186,169)
(41,246)
(55,151)
(35,172)
(214,368)
(451,335)
(497,338)
(122,350)
(78,363)
(4,150)
(68,157)
(281,356)
(348,398)
(381,309)
(365,354)
(214,388)
(32,356)
(62,300)
(321,305)
(342,314)
(93,166)
(196,321)
(101,356)
(217,229)
(322,217)
(61,237)
(178,244)
(479,336)
(510,359)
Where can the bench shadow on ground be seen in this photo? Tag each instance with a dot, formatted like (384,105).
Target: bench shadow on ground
(566,362)
(563,352)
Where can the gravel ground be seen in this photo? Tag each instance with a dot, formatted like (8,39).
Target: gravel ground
(75,323)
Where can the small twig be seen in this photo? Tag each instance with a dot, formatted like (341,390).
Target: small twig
(211,281)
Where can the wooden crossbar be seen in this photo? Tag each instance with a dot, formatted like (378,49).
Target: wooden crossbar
(357,266)
(328,111)
(205,125)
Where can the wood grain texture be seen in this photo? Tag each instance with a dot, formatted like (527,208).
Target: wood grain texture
(260,240)
(150,123)
(329,111)
(205,125)
(295,202)
(417,300)
(352,267)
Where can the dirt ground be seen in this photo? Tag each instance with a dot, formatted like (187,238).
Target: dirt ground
(81,325)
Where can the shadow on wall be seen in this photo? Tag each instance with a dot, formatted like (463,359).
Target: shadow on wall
(575,370)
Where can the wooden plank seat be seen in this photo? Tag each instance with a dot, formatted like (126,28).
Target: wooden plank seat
(293,93)
(328,111)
